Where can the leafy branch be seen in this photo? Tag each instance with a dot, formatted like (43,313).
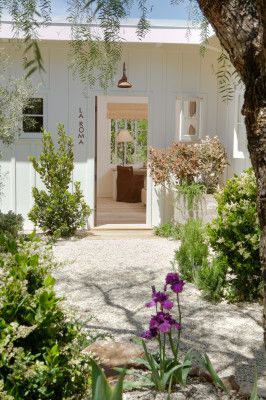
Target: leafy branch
(227,77)
(28,16)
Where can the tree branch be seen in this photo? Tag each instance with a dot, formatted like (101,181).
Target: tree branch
(237,24)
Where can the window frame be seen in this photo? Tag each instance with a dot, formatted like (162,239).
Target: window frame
(183,119)
(123,122)
(35,135)
(240,150)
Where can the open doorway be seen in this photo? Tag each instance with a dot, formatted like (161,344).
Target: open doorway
(121,166)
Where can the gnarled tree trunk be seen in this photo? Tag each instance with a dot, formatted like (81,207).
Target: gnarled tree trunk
(240,26)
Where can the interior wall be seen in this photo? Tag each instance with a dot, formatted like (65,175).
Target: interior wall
(104,166)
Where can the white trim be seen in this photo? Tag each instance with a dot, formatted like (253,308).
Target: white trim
(128,32)
(182,119)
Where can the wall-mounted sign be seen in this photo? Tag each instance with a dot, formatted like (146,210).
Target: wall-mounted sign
(81,135)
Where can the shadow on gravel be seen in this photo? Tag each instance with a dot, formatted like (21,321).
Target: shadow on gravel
(219,330)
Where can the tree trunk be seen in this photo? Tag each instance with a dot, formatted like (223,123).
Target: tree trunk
(240,25)
(256,133)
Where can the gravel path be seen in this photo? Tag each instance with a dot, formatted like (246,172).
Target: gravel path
(111,279)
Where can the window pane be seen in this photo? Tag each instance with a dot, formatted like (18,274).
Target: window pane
(135,151)
(192,108)
(32,124)
(34,106)
(191,130)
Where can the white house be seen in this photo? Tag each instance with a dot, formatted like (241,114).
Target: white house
(168,76)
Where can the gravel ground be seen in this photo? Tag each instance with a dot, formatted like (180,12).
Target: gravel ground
(111,280)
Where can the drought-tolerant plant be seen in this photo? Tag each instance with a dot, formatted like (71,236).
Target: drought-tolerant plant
(40,345)
(210,277)
(189,196)
(189,170)
(235,235)
(202,162)
(213,161)
(168,230)
(10,223)
(167,371)
(14,95)
(193,250)
(57,211)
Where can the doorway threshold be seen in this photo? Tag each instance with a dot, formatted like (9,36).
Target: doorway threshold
(123,227)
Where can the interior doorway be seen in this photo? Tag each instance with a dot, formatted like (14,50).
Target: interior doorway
(121,161)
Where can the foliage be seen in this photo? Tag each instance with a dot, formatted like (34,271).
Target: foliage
(201,162)
(193,250)
(10,224)
(168,230)
(14,94)
(211,278)
(167,371)
(174,165)
(227,77)
(213,160)
(235,235)
(101,389)
(254,391)
(95,59)
(56,210)
(135,151)
(189,196)
(27,17)
(41,347)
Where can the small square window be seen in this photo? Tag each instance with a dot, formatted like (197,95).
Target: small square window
(189,118)
(33,116)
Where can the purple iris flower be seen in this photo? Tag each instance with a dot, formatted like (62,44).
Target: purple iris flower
(163,322)
(150,334)
(175,282)
(162,298)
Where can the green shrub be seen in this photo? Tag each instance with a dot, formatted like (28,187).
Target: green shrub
(10,224)
(193,248)
(235,235)
(168,230)
(211,278)
(40,346)
(57,211)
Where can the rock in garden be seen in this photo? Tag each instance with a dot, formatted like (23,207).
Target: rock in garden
(113,354)
(230,383)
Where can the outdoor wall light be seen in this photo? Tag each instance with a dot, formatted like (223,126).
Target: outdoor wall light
(123,82)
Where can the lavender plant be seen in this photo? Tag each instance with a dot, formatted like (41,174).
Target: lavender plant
(165,370)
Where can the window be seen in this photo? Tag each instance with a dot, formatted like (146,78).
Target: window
(33,116)
(135,151)
(189,118)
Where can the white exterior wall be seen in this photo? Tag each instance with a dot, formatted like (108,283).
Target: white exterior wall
(161,73)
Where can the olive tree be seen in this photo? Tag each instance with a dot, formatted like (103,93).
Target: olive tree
(14,94)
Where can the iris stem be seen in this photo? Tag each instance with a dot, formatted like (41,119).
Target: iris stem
(160,352)
(172,346)
(163,352)
(179,321)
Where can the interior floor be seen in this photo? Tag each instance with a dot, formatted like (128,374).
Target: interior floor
(114,212)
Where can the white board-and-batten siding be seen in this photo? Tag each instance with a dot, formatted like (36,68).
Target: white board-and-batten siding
(161,73)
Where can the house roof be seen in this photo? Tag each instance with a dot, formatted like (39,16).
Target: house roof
(161,31)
